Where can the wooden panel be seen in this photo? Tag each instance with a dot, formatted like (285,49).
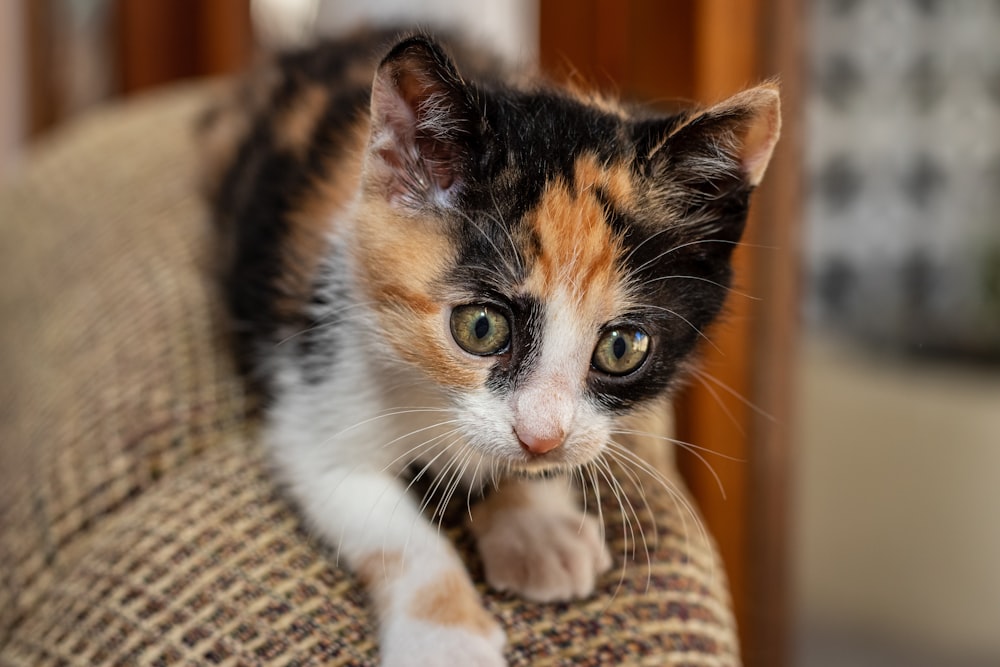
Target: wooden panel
(159,41)
(44,101)
(569,36)
(642,49)
(713,412)
(779,203)
(661,43)
(225,36)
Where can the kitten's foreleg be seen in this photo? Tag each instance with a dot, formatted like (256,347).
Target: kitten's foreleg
(429,613)
(536,542)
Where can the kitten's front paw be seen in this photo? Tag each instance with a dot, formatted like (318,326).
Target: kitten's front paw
(543,554)
(415,644)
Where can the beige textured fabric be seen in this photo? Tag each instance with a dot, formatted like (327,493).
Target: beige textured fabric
(138,524)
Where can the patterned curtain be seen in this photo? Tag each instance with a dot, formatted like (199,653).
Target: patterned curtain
(903,230)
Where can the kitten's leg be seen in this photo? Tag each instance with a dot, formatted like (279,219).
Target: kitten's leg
(429,613)
(535,541)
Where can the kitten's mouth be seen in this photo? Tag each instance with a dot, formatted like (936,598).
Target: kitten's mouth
(551,462)
(541,467)
(541,462)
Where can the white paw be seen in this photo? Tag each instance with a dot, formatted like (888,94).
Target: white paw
(543,554)
(410,643)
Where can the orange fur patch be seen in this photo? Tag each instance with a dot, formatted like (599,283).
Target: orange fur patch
(401,259)
(294,127)
(452,601)
(578,251)
(376,571)
(615,180)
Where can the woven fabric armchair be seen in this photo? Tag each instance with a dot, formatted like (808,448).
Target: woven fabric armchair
(138,522)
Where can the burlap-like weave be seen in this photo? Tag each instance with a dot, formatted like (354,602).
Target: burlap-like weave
(138,524)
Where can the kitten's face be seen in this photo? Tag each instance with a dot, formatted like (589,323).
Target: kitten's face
(549,264)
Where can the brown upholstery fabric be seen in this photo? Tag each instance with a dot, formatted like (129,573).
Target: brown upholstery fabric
(138,524)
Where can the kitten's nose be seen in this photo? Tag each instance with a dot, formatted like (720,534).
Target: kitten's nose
(539,444)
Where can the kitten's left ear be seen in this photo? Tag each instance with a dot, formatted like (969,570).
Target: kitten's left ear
(422,125)
(735,137)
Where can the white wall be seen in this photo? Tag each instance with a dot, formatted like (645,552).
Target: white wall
(510,26)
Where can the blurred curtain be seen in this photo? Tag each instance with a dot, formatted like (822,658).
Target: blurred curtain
(903,242)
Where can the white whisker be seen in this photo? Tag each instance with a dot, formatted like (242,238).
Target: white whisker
(583,489)
(735,394)
(416,477)
(626,527)
(722,404)
(465,458)
(330,318)
(474,482)
(680,443)
(391,412)
(597,500)
(708,466)
(641,491)
(701,279)
(628,458)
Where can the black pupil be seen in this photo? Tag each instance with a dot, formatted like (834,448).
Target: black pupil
(482,326)
(618,347)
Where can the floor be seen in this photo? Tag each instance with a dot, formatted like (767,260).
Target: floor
(825,647)
(897,510)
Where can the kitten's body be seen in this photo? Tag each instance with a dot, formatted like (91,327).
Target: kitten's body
(476,277)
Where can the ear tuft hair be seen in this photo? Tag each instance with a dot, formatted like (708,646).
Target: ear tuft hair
(737,134)
(421,124)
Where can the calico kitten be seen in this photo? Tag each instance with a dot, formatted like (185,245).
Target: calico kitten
(436,265)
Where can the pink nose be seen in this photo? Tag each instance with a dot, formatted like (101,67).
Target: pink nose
(539,444)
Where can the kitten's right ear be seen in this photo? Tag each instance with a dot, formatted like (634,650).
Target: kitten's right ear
(422,125)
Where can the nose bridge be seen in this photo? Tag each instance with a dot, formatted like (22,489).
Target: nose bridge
(543,415)
(544,406)
(544,409)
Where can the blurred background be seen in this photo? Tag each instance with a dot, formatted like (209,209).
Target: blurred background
(857,382)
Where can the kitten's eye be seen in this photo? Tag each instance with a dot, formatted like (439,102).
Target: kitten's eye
(621,350)
(480,329)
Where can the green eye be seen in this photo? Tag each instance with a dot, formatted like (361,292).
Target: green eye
(480,329)
(621,350)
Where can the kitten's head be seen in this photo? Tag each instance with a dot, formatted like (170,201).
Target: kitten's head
(550,261)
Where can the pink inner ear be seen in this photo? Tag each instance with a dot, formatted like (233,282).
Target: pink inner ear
(414,111)
(391,113)
(761,134)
